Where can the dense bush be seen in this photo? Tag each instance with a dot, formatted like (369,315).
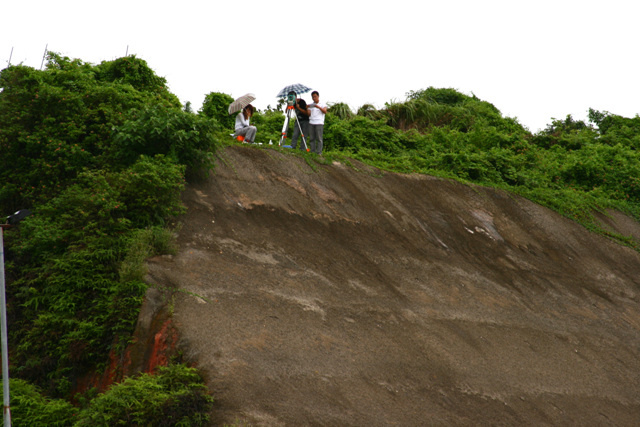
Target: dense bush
(100,154)
(360,133)
(176,396)
(185,138)
(614,129)
(29,407)
(215,106)
(70,301)
(135,72)
(269,124)
(54,123)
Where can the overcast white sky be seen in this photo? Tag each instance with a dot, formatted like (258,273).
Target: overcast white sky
(533,60)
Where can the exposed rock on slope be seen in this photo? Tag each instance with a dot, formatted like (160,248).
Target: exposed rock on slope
(342,296)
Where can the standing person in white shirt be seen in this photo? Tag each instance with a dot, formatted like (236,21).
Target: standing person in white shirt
(243,125)
(316,122)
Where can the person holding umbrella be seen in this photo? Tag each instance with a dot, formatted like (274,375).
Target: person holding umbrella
(243,125)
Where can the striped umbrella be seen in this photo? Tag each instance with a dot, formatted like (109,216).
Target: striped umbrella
(241,102)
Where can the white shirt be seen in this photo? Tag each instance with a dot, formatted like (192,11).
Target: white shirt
(241,122)
(317,116)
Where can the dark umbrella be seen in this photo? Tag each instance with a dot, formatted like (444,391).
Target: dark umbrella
(241,102)
(18,216)
(297,88)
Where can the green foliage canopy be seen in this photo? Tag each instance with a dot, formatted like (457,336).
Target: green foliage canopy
(216,106)
(99,153)
(573,167)
(174,396)
(54,123)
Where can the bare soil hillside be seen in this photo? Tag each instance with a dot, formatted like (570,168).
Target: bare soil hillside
(338,295)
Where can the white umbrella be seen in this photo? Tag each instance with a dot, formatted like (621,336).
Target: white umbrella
(241,102)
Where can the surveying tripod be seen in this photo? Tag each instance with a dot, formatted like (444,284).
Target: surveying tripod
(291,101)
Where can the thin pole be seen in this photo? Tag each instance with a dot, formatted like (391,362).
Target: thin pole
(306,147)
(127,54)
(285,126)
(44,55)
(5,347)
(10,56)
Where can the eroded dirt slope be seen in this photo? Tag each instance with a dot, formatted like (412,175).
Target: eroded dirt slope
(342,296)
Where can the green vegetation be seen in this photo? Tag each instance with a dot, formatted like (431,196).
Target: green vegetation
(101,153)
(29,407)
(175,396)
(573,167)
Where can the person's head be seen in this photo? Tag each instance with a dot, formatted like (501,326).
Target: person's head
(315,96)
(248,111)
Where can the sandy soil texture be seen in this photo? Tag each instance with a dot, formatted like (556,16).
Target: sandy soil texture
(338,295)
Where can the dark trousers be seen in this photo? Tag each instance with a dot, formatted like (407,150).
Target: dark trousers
(315,138)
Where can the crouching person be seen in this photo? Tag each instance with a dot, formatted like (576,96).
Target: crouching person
(243,125)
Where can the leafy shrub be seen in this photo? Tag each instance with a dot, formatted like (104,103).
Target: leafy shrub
(215,106)
(149,190)
(269,124)
(568,133)
(186,138)
(616,129)
(54,123)
(78,296)
(445,96)
(136,72)
(360,132)
(29,407)
(175,396)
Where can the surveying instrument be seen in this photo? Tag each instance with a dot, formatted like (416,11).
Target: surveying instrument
(291,102)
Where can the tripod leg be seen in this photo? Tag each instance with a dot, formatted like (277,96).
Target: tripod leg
(285,127)
(304,141)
